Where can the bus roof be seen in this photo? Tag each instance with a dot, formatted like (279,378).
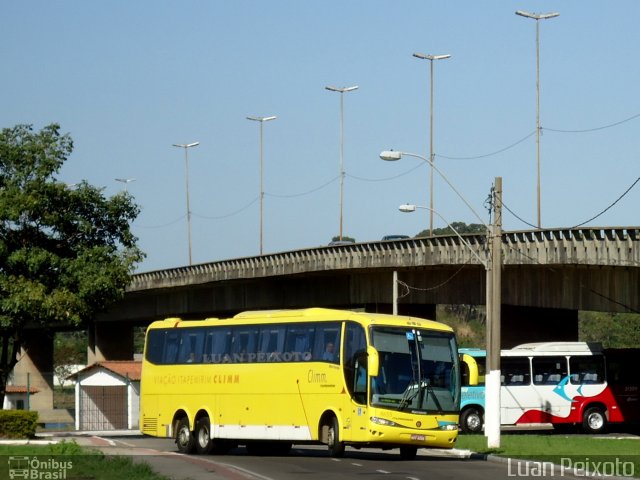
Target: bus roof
(587,347)
(295,315)
(537,348)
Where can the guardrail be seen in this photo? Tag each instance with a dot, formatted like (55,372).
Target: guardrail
(607,246)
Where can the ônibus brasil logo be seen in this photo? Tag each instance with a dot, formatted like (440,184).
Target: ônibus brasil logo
(33,468)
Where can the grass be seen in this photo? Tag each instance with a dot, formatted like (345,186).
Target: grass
(554,448)
(73,462)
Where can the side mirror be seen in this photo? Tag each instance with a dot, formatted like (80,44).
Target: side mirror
(373,361)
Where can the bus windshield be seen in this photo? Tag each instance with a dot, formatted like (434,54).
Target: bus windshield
(418,371)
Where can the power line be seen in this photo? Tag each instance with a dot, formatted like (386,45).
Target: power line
(163,225)
(488,154)
(586,221)
(228,214)
(616,201)
(304,193)
(363,179)
(517,216)
(408,288)
(615,124)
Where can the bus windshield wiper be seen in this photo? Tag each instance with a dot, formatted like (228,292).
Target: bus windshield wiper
(409,394)
(430,391)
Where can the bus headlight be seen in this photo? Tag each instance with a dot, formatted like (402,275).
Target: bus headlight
(384,421)
(448,426)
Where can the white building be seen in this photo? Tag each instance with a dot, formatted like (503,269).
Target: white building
(16,398)
(108,396)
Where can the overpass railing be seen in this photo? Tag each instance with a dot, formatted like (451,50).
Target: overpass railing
(610,246)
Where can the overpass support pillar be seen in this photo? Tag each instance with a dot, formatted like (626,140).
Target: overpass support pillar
(35,368)
(110,341)
(533,324)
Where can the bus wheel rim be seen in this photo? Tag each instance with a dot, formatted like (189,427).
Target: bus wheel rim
(595,421)
(203,437)
(473,422)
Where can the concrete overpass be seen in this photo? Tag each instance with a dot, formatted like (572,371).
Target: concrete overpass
(563,269)
(548,276)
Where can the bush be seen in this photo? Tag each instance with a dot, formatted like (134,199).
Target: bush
(18,424)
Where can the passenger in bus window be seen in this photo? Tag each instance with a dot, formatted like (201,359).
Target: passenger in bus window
(329,354)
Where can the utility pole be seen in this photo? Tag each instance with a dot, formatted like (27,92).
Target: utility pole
(494,303)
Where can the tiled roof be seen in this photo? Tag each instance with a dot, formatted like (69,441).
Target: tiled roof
(130,369)
(20,389)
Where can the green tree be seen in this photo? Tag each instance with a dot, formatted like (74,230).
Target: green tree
(344,239)
(66,253)
(69,350)
(613,330)
(460,227)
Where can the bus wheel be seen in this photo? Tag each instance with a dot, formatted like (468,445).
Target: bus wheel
(336,447)
(203,436)
(471,420)
(408,453)
(594,420)
(184,438)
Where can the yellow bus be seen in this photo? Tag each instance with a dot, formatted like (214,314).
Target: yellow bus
(268,380)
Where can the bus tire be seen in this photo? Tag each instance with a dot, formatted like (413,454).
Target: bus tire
(203,440)
(471,420)
(184,438)
(408,453)
(336,447)
(594,420)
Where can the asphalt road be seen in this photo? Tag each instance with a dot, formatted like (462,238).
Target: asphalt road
(306,462)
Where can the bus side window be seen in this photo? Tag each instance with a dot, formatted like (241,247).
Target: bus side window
(271,343)
(191,345)
(244,345)
(155,344)
(299,340)
(326,334)
(515,371)
(171,347)
(587,369)
(217,345)
(548,370)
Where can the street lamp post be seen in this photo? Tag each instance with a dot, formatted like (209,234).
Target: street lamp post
(394,155)
(126,182)
(537,17)
(261,120)
(431,58)
(186,147)
(342,91)
(493,266)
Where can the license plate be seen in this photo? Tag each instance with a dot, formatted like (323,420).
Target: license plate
(419,438)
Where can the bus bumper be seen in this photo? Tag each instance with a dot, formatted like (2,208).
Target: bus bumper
(442,436)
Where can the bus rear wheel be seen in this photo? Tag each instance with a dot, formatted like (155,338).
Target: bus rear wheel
(204,444)
(594,420)
(336,447)
(184,438)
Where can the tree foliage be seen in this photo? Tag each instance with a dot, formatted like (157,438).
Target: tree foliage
(343,239)
(66,252)
(613,330)
(460,227)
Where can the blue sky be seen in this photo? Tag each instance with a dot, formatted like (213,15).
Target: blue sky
(129,79)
